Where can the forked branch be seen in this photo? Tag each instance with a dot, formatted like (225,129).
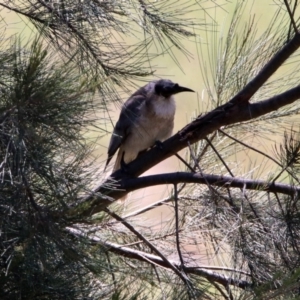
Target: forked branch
(238,109)
(156,260)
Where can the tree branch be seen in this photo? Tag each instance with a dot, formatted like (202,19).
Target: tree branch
(291,14)
(132,184)
(269,69)
(146,257)
(176,270)
(260,152)
(177,226)
(230,113)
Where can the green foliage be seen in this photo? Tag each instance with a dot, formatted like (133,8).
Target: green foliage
(287,287)
(43,109)
(47,100)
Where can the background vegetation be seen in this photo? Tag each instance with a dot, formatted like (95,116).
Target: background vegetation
(230,228)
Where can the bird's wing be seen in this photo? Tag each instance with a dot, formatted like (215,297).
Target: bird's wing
(129,113)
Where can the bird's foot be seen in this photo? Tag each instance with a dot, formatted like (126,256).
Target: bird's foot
(123,165)
(159,145)
(142,152)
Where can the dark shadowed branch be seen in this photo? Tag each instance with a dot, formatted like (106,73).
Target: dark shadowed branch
(177,271)
(205,271)
(60,237)
(215,180)
(238,109)
(226,114)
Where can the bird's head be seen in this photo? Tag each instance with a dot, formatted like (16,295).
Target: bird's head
(167,88)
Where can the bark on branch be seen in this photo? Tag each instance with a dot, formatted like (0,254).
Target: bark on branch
(238,109)
(198,129)
(156,260)
(132,184)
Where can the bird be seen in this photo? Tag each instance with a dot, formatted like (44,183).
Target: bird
(146,118)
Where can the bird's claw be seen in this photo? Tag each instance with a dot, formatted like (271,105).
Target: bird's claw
(159,145)
(123,165)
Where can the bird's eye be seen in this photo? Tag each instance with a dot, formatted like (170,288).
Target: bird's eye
(176,85)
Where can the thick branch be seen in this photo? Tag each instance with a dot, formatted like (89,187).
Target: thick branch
(146,257)
(132,184)
(151,246)
(269,69)
(236,110)
(226,114)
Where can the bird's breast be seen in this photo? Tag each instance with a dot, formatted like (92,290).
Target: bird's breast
(163,108)
(154,124)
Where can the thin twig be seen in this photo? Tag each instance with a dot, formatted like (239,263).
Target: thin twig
(291,16)
(209,179)
(177,226)
(140,255)
(185,163)
(220,157)
(159,281)
(111,270)
(258,151)
(206,147)
(219,289)
(151,246)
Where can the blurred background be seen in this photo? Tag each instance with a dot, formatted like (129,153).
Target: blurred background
(189,69)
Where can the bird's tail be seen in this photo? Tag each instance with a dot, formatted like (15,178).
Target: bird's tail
(117,166)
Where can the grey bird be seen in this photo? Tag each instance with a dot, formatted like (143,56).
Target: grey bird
(146,117)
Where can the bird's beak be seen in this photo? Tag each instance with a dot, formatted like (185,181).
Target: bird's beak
(180,89)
